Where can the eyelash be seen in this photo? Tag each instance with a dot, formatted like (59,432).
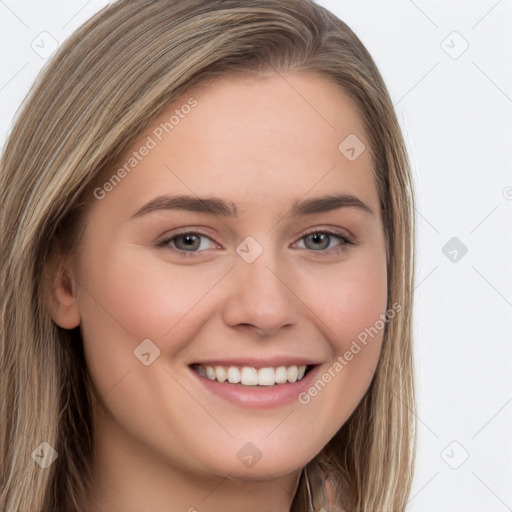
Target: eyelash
(345,241)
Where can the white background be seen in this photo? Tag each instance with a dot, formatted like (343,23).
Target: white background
(456,115)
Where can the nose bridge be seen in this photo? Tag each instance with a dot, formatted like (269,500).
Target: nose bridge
(260,295)
(260,275)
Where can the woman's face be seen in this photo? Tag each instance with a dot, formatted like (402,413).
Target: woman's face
(216,254)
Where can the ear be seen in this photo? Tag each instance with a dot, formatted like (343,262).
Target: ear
(61,292)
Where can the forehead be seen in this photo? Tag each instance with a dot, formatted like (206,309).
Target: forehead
(253,138)
(306,112)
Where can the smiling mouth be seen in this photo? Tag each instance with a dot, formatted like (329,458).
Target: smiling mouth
(250,376)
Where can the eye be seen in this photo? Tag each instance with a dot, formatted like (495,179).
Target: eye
(319,241)
(190,243)
(186,243)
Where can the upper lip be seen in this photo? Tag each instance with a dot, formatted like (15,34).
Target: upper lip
(258,362)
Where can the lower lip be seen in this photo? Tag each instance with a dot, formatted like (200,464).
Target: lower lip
(259,397)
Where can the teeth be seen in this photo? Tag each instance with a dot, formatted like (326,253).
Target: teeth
(281,375)
(266,377)
(250,376)
(293,372)
(234,376)
(221,374)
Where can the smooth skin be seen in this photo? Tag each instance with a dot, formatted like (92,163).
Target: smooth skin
(164,442)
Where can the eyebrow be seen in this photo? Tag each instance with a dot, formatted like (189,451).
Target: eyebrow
(216,206)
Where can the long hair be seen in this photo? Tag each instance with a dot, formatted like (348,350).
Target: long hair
(101,89)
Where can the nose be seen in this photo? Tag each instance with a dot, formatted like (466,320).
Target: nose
(261,296)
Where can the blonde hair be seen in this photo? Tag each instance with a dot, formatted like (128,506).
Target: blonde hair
(103,87)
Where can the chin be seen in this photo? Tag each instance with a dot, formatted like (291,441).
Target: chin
(260,461)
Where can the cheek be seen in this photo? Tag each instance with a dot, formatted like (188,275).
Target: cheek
(144,297)
(352,299)
(361,304)
(350,307)
(131,298)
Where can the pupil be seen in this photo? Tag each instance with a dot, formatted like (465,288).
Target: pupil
(189,240)
(317,237)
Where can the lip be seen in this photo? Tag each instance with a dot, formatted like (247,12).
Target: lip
(258,397)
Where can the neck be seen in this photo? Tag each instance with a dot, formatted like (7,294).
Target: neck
(130,477)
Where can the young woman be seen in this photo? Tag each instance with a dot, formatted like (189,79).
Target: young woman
(207,261)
